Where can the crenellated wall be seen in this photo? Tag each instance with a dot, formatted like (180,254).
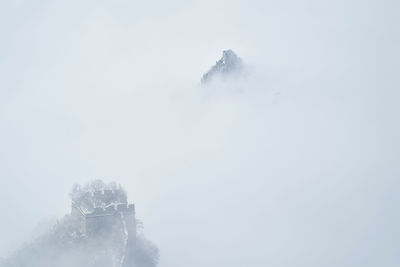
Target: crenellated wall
(103,221)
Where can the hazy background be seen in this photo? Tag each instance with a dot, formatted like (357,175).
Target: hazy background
(297,165)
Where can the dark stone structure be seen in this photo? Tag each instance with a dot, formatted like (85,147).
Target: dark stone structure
(101,213)
(99,232)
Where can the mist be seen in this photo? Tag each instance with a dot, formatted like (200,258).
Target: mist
(294,164)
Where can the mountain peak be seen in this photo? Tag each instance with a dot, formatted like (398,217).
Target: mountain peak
(228,65)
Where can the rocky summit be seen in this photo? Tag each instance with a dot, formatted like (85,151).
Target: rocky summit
(229,65)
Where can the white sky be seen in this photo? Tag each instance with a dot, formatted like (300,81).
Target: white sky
(298,165)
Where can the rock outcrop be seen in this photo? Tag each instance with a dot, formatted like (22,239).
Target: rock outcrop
(229,65)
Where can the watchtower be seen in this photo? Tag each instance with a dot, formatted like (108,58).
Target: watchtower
(101,213)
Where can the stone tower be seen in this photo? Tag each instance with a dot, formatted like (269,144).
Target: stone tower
(104,213)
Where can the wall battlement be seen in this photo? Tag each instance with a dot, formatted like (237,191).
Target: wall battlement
(113,212)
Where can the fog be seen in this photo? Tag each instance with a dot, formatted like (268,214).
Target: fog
(294,164)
